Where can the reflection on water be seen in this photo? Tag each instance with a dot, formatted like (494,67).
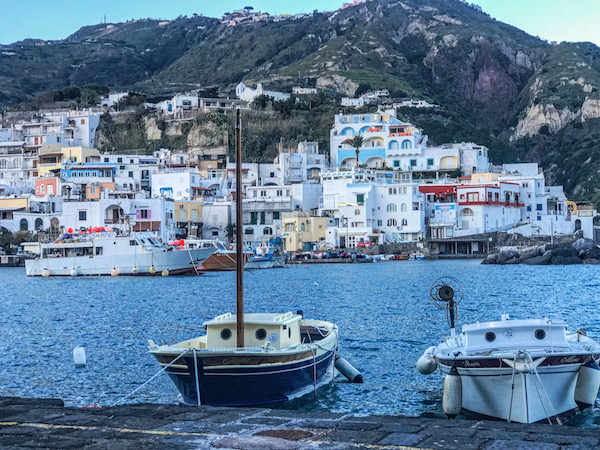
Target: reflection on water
(382,309)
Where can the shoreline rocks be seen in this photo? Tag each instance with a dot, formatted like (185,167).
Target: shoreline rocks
(582,251)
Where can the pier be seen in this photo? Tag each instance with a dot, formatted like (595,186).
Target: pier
(330,261)
(44,423)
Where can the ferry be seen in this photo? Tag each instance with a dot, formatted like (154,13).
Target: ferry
(110,253)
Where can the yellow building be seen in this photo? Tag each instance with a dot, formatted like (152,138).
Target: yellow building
(52,156)
(302,232)
(487,177)
(9,205)
(188,214)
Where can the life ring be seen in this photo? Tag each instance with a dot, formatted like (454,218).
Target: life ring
(230,247)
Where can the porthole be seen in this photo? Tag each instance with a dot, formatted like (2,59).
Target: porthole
(490,336)
(539,334)
(290,333)
(225,333)
(261,334)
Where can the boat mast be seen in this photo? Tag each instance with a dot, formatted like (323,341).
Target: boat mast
(239,247)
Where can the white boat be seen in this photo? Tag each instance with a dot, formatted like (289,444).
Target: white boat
(266,255)
(524,371)
(107,253)
(416,256)
(251,359)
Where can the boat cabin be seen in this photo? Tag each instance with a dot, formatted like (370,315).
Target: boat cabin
(274,330)
(515,335)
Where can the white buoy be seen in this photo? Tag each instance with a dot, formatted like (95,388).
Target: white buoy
(79,357)
(165,273)
(114,272)
(588,385)
(135,271)
(74,272)
(152,270)
(348,370)
(452,400)
(427,364)
(45,273)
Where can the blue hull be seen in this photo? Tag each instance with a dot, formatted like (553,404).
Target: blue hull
(246,386)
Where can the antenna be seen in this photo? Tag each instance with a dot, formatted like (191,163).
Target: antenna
(446,293)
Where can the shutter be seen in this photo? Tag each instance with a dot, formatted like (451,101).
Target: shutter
(137,214)
(149,214)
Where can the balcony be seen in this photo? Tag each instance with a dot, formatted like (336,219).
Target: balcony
(490,202)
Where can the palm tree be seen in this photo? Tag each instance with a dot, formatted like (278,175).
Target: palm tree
(357,141)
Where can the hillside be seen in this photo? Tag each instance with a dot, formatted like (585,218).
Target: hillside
(525,98)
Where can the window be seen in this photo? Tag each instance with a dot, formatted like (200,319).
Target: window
(130,174)
(82,215)
(360,199)
(105,159)
(357,212)
(279,192)
(404,222)
(392,222)
(249,231)
(215,232)
(413,163)
(42,188)
(392,207)
(275,215)
(302,227)
(539,207)
(429,162)
(396,163)
(272,174)
(131,161)
(92,190)
(467,212)
(267,231)
(473,196)
(403,207)
(143,213)
(263,193)
(379,223)
(82,121)
(119,160)
(99,250)
(121,167)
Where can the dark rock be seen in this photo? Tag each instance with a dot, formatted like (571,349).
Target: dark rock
(491,259)
(590,261)
(531,253)
(565,250)
(565,260)
(590,253)
(514,260)
(506,255)
(538,260)
(583,244)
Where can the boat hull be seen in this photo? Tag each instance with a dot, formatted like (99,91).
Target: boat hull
(249,379)
(267,262)
(176,262)
(221,262)
(488,388)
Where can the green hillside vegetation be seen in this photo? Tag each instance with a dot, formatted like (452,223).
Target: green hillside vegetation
(486,76)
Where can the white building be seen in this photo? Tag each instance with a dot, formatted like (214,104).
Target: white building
(17,164)
(372,207)
(179,103)
(304,90)
(356,102)
(389,142)
(472,208)
(247,94)
(132,171)
(216,217)
(264,205)
(114,99)
(410,103)
(305,164)
(178,186)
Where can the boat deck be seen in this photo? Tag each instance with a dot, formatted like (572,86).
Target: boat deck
(43,423)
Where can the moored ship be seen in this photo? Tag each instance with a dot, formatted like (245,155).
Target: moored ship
(107,253)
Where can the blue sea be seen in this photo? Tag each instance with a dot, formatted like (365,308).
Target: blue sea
(382,309)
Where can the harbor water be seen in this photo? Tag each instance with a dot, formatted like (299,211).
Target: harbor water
(383,312)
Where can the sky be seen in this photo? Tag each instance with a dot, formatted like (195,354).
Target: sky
(553,20)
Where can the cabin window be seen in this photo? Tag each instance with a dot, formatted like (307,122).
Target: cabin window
(99,250)
(133,242)
(490,336)
(539,334)
(225,334)
(82,215)
(261,334)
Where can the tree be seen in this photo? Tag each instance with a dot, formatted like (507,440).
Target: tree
(357,141)
(248,9)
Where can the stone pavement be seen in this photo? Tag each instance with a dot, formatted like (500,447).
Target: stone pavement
(46,423)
